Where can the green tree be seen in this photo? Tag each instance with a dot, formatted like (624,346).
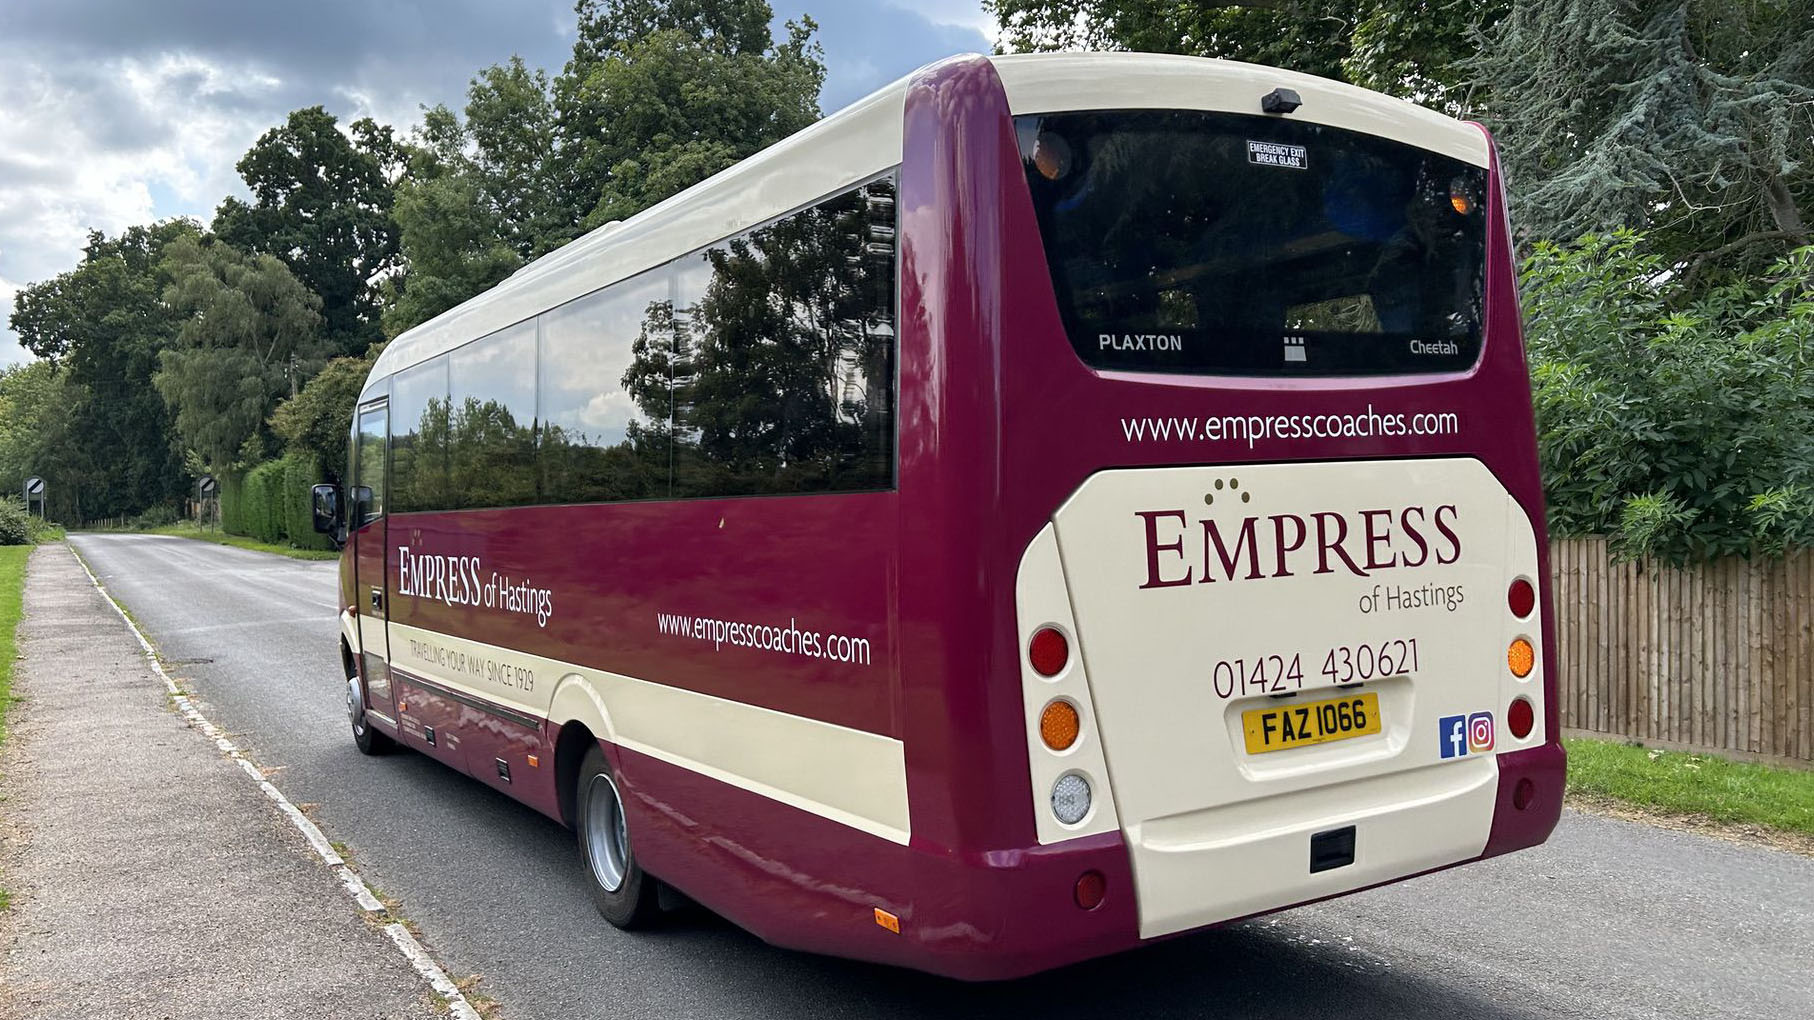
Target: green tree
(35,426)
(661,94)
(316,421)
(104,324)
(1409,48)
(1682,428)
(321,202)
(249,335)
(512,122)
(453,246)
(1686,119)
(480,197)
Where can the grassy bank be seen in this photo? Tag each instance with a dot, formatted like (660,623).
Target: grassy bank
(187,530)
(1694,786)
(12,598)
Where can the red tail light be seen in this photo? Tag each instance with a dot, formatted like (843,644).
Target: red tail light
(1520,718)
(1048,651)
(1521,598)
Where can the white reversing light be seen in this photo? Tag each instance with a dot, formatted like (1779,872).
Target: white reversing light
(1071,798)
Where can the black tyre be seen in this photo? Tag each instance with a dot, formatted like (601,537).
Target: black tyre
(365,736)
(627,896)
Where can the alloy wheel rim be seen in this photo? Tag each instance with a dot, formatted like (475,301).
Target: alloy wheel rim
(607,837)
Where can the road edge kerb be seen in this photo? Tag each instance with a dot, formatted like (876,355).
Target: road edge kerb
(355,887)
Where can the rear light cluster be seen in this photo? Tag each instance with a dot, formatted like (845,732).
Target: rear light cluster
(1060,724)
(1521,657)
(1069,792)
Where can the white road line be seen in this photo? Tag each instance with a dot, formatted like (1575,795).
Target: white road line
(355,886)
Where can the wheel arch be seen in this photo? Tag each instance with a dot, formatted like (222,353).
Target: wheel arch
(580,711)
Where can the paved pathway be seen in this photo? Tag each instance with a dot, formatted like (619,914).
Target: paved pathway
(149,876)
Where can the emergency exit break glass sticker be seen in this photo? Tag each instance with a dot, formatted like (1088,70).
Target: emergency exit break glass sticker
(1294,157)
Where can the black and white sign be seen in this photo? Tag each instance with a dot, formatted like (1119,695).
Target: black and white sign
(34,487)
(207,486)
(1294,157)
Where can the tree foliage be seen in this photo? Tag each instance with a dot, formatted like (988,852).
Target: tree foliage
(1682,429)
(453,244)
(35,437)
(1687,119)
(249,335)
(480,197)
(661,94)
(321,202)
(106,446)
(1409,48)
(315,422)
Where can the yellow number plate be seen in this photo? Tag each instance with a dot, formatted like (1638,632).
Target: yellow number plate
(1310,722)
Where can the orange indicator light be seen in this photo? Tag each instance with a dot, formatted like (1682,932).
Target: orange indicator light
(535,762)
(887,920)
(1460,203)
(1059,725)
(1521,658)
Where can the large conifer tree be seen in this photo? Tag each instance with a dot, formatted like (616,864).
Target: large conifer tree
(1688,119)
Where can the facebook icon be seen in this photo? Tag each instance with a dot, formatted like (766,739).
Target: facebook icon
(1452,733)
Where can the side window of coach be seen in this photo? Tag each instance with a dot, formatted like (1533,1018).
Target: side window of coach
(419,438)
(491,421)
(603,394)
(784,354)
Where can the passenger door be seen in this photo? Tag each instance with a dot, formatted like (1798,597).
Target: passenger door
(367,518)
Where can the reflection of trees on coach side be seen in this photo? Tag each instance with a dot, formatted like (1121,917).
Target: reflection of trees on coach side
(764,364)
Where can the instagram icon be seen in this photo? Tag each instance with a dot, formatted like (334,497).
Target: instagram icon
(1480,732)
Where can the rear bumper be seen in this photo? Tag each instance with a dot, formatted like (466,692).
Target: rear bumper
(1223,864)
(1529,797)
(1232,861)
(804,882)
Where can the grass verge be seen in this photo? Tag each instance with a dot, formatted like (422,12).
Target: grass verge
(187,530)
(1691,786)
(12,602)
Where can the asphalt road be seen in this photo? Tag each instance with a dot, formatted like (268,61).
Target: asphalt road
(1611,919)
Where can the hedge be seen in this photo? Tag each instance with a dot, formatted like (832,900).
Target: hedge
(271,502)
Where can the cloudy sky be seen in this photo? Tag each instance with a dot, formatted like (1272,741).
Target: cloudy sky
(116,112)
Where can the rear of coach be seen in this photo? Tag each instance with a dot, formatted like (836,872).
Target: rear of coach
(1282,618)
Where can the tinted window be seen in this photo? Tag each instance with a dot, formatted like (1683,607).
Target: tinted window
(1226,243)
(604,393)
(783,368)
(369,475)
(419,438)
(762,365)
(491,429)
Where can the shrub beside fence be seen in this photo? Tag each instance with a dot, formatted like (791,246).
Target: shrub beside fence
(1715,657)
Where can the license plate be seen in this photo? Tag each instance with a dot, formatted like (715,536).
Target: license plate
(1310,722)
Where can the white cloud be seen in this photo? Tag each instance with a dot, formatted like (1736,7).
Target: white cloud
(86,152)
(963,13)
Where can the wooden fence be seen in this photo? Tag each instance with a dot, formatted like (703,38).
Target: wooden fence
(1715,657)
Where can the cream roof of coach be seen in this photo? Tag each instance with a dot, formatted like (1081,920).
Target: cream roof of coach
(865,139)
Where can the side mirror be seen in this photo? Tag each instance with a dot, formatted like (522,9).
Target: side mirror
(324,507)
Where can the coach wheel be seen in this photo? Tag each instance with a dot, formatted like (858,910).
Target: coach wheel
(365,736)
(620,889)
